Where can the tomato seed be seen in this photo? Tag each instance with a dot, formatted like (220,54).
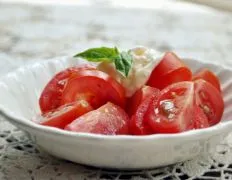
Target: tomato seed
(206,109)
(203,95)
(84,103)
(173,94)
(170,116)
(156,110)
(62,82)
(106,110)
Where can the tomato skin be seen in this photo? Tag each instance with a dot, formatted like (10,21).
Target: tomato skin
(138,125)
(173,112)
(94,86)
(109,119)
(170,70)
(208,76)
(50,97)
(64,114)
(200,119)
(139,96)
(210,100)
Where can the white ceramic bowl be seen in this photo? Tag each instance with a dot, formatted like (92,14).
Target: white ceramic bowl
(19,93)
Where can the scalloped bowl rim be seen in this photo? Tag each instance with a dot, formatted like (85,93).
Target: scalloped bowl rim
(24,122)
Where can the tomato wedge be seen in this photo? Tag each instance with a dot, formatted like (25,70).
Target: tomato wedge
(173,112)
(50,98)
(139,96)
(109,119)
(210,100)
(64,114)
(94,86)
(170,70)
(208,76)
(137,124)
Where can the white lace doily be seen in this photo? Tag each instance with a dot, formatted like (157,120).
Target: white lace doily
(28,32)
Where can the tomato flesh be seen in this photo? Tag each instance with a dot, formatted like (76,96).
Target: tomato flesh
(208,76)
(50,98)
(139,96)
(210,100)
(64,114)
(94,86)
(170,70)
(109,119)
(137,124)
(200,119)
(173,112)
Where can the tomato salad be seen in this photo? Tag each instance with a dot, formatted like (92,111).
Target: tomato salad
(166,98)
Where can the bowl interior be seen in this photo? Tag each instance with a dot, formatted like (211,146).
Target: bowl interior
(20,90)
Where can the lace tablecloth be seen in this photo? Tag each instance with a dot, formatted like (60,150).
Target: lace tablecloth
(29,32)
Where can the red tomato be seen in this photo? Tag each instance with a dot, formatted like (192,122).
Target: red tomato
(170,70)
(109,119)
(137,124)
(200,119)
(210,100)
(139,97)
(50,98)
(208,76)
(173,112)
(64,114)
(94,86)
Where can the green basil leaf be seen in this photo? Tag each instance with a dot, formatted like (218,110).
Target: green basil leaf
(99,54)
(123,63)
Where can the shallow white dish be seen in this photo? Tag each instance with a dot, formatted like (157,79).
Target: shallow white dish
(19,92)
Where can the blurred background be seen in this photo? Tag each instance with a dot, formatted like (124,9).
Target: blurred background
(220,4)
(32,30)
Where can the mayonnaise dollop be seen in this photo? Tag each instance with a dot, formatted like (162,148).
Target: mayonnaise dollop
(144,61)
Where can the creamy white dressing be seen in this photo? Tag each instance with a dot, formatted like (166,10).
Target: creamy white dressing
(144,61)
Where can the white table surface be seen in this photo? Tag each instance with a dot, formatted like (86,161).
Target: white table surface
(37,32)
